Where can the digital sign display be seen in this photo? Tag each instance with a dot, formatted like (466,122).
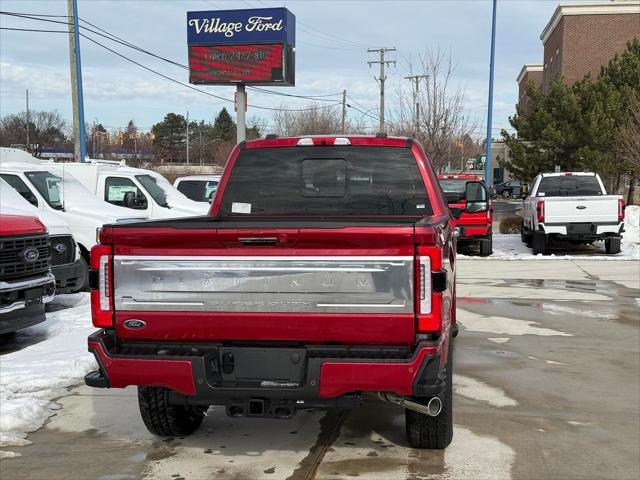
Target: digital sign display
(263,64)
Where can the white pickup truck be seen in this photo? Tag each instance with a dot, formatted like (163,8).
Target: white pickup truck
(572,207)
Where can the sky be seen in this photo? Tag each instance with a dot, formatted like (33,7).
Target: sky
(332,39)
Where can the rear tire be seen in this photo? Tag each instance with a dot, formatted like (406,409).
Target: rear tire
(424,431)
(164,419)
(539,243)
(486,246)
(612,245)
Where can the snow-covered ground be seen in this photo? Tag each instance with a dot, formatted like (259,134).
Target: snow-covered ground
(30,378)
(510,247)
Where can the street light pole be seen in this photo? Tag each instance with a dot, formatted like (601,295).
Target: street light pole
(487,161)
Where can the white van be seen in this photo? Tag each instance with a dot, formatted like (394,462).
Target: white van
(145,191)
(67,265)
(63,196)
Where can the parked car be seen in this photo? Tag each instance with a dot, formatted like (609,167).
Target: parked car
(61,195)
(67,264)
(26,281)
(468,194)
(145,191)
(199,188)
(332,276)
(571,206)
(510,189)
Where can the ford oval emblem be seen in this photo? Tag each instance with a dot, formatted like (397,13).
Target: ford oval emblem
(30,254)
(134,324)
(581,207)
(60,248)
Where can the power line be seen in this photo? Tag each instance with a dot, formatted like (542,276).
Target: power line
(197,89)
(111,36)
(34,30)
(328,35)
(122,41)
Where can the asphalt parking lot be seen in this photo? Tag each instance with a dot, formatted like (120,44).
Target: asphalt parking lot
(546,382)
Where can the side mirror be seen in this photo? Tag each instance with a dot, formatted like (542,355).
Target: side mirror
(476,195)
(456,213)
(130,200)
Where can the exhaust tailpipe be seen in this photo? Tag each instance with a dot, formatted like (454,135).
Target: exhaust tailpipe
(432,408)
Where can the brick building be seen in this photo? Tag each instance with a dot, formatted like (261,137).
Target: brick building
(581,37)
(528,73)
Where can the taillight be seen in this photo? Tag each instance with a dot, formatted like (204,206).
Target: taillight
(429,303)
(540,210)
(101,295)
(620,209)
(104,276)
(425,284)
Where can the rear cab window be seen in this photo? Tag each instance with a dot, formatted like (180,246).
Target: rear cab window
(453,185)
(326,180)
(569,186)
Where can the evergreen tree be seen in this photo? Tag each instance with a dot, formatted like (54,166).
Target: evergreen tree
(224,128)
(170,137)
(546,132)
(577,127)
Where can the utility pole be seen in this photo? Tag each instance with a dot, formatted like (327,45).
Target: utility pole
(241,105)
(415,80)
(382,77)
(187,137)
(75,65)
(344,110)
(487,161)
(28,127)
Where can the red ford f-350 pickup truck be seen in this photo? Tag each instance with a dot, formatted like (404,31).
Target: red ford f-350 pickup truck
(325,270)
(468,194)
(26,282)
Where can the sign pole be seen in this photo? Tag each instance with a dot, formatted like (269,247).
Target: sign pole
(241,105)
(487,161)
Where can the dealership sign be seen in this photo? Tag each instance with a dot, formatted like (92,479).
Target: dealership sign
(254,46)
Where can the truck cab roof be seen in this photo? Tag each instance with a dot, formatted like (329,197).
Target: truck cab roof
(379,140)
(568,174)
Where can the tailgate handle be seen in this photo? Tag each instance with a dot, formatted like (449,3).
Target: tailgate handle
(258,240)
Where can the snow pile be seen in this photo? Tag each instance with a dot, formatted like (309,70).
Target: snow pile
(631,235)
(32,377)
(510,247)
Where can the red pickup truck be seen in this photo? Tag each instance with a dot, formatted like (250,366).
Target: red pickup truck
(468,194)
(26,282)
(325,269)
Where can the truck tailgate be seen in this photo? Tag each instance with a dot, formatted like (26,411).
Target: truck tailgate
(592,209)
(346,284)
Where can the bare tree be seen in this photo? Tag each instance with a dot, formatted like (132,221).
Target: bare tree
(45,129)
(629,145)
(443,127)
(314,119)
